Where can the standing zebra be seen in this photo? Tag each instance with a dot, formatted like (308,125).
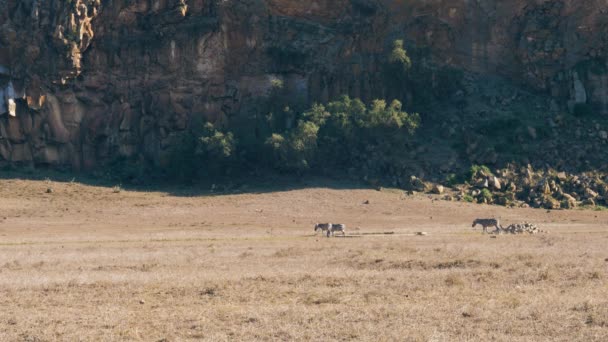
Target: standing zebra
(485,223)
(339,227)
(324,227)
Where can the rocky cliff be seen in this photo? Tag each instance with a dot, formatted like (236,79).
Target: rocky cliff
(85,81)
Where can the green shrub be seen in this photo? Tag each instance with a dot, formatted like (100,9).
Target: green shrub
(398,56)
(297,151)
(478,170)
(468,198)
(485,195)
(344,134)
(214,144)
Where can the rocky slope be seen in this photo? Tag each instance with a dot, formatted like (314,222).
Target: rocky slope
(86,81)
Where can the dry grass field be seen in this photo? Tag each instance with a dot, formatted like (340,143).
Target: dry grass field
(93,263)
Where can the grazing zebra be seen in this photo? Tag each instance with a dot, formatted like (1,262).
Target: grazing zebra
(339,227)
(485,223)
(324,227)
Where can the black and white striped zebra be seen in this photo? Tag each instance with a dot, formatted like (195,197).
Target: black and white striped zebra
(337,227)
(485,223)
(323,227)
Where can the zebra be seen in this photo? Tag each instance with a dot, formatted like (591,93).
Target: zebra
(339,227)
(324,227)
(485,223)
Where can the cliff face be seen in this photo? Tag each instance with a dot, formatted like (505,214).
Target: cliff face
(85,81)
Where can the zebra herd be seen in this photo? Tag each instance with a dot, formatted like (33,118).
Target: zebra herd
(330,228)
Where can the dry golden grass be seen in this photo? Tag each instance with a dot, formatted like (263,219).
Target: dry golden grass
(86,263)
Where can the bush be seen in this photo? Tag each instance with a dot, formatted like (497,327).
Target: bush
(398,56)
(344,134)
(295,152)
(216,145)
(486,196)
(479,170)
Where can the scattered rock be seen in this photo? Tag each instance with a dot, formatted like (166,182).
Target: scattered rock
(141,301)
(546,189)
(550,203)
(438,189)
(590,202)
(422,233)
(590,193)
(417,184)
(366,202)
(522,228)
(49,190)
(495,183)
(569,202)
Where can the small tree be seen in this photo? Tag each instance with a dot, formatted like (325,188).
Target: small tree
(215,150)
(215,144)
(298,150)
(398,55)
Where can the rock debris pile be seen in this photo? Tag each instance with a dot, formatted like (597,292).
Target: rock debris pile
(522,228)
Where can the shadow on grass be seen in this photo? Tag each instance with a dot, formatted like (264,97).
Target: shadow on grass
(217,186)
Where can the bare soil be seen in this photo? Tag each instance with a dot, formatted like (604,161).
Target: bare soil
(96,263)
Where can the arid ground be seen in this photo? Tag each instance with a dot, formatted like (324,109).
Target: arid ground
(96,263)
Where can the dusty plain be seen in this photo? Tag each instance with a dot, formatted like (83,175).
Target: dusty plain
(97,263)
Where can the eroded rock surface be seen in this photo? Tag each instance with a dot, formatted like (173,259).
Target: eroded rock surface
(92,80)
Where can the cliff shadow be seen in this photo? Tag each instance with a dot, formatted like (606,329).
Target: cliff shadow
(216,186)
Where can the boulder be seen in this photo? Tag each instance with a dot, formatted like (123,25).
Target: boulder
(12,107)
(590,202)
(438,189)
(546,188)
(568,201)
(589,193)
(550,203)
(417,184)
(483,183)
(495,183)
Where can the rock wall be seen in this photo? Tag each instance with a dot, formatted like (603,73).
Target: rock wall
(85,81)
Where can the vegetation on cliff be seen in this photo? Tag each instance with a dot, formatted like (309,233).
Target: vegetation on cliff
(343,136)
